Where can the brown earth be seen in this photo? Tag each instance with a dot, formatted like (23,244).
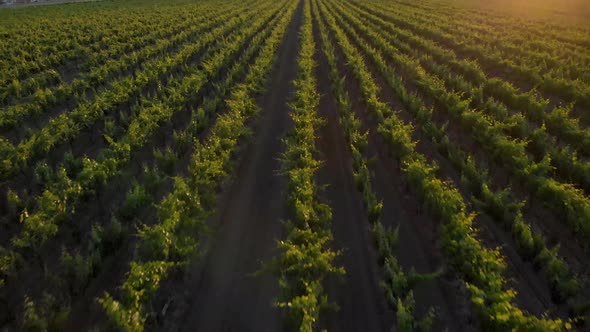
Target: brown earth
(361,301)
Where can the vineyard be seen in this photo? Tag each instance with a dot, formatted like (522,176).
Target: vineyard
(295,165)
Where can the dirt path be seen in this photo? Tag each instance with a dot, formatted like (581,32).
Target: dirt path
(224,296)
(362,306)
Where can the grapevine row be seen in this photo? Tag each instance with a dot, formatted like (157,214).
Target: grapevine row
(182,213)
(305,258)
(396,284)
(140,195)
(62,194)
(500,204)
(68,125)
(482,269)
(562,197)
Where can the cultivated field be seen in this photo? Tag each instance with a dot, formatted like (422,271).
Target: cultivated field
(295,165)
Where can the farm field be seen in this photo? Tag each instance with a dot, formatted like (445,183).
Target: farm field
(295,165)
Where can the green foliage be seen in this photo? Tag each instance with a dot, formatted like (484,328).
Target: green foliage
(488,130)
(105,240)
(142,282)
(77,271)
(136,199)
(305,257)
(396,284)
(481,268)
(14,204)
(8,264)
(147,70)
(46,315)
(172,241)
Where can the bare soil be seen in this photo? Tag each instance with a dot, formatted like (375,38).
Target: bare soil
(361,301)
